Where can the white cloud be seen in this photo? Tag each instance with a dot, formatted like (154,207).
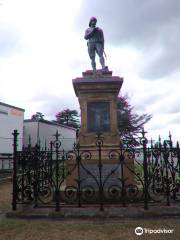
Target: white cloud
(46,39)
(43,50)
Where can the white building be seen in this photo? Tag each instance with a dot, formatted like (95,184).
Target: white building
(43,131)
(11,118)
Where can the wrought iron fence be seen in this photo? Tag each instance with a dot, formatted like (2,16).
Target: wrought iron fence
(148,174)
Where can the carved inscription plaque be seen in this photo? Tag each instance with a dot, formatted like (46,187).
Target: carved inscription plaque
(90,175)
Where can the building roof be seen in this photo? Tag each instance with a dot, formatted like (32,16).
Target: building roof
(11,106)
(50,123)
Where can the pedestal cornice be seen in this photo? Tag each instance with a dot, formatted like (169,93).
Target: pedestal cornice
(97,82)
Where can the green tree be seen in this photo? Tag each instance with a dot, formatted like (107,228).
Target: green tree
(38,116)
(68,117)
(129,122)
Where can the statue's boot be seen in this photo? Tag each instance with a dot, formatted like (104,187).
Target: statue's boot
(102,62)
(93,64)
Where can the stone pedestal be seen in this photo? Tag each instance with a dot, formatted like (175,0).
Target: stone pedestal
(97,93)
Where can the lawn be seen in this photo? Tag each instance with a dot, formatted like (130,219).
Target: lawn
(16,229)
(5,196)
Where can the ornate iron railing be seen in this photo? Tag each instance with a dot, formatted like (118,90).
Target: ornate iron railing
(144,175)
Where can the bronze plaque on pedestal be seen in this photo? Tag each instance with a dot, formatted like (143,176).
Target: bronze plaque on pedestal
(98,117)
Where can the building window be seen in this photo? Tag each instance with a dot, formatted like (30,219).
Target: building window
(3,112)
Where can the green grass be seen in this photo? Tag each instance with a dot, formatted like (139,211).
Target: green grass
(123,229)
(75,229)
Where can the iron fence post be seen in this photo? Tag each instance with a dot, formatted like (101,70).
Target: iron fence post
(172,166)
(79,177)
(57,181)
(101,200)
(123,192)
(57,145)
(51,162)
(166,157)
(35,169)
(15,144)
(144,143)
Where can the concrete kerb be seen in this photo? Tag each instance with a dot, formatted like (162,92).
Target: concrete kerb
(94,213)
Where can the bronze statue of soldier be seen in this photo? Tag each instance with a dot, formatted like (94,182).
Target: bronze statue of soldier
(95,43)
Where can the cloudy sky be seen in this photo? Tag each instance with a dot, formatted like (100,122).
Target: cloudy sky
(42,48)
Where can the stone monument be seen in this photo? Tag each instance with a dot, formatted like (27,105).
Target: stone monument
(97,92)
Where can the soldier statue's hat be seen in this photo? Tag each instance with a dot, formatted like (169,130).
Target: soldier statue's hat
(92,19)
